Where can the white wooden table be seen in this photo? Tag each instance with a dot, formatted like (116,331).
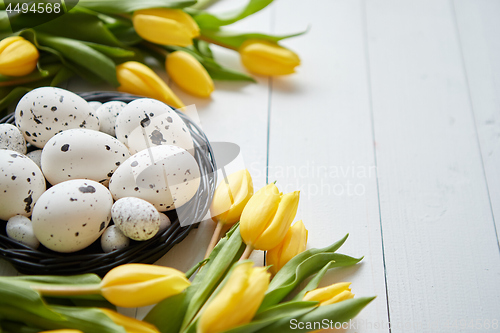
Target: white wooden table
(391,130)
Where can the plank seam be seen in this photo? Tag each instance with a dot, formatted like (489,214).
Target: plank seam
(471,107)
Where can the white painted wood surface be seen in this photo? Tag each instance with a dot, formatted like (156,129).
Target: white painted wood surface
(391,131)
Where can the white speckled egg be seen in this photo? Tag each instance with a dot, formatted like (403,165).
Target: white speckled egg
(19,228)
(95,104)
(82,154)
(164,222)
(113,239)
(21,184)
(107,114)
(135,114)
(136,218)
(164,129)
(11,138)
(71,215)
(46,111)
(36,156)
(140,177)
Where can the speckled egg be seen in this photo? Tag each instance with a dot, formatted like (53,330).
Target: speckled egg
(164,129)
(82,154)
(136,218)
(71,215)
(46,111)
(136,114)
(164,222)
(95,104)
(36,156)
(107,114)
(140,177)
(11,138)
(113,239)
(19,228)
(21,184)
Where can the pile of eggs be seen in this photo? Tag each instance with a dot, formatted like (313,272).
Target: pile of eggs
(90,164)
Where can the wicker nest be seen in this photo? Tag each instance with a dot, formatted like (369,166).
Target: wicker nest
(92,259)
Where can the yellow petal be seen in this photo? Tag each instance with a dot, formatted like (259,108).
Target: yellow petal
(326,293)
(139,79)
(275,232)
(189,74)
(162,31)
(135,285)
(238,300)
(131,325)
(18,57)
(267,58)
(346,294)
(295,242)
(177,15)
(229,201)
(259,213)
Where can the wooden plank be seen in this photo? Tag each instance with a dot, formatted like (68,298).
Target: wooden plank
(479,28)
(441,251)
(321,142)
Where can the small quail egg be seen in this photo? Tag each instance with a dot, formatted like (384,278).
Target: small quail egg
(46,111)
(19,228)
(136,218)
(95,104)
(113,239)
(164,222)
(21,184)
(107,114)
(72,215)
(36,156)
(82,154)
(11,138)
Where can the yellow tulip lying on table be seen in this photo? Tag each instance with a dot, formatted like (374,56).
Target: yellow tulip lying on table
(227,293)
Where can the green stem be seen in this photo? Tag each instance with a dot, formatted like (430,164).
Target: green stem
(67,290)
(209,40)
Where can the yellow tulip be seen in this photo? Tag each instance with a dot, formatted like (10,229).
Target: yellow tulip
(238,300)
(138,79)
(134,285)
(332,294)
(267,58)
(165,26)
(189,74)
(64,330)
(267,216)
(294,243)
(18,57)
(131,325)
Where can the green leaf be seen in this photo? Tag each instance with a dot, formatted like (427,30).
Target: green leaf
(203,48)
(14,294)
(287,272)
(234,40)
(313,284)
(47,71)
(175,307)
(83,55)
(11,326)
(337,313)
(193,269)
(80,26)
(54,279)
(128,6)
(113,52)
(63,75)
(308,267)
(206,20)
(227,252)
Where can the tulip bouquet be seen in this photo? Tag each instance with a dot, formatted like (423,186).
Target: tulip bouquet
(110,41)
(227,293)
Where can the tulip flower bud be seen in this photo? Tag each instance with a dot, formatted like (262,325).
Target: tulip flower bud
(267,217)
(238,300)
(231,196)
(138,79)
(18,57)
(165,26)
(134,285)
(294,243)
(267,58)
(131,325)
(332,294)
(189,74)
